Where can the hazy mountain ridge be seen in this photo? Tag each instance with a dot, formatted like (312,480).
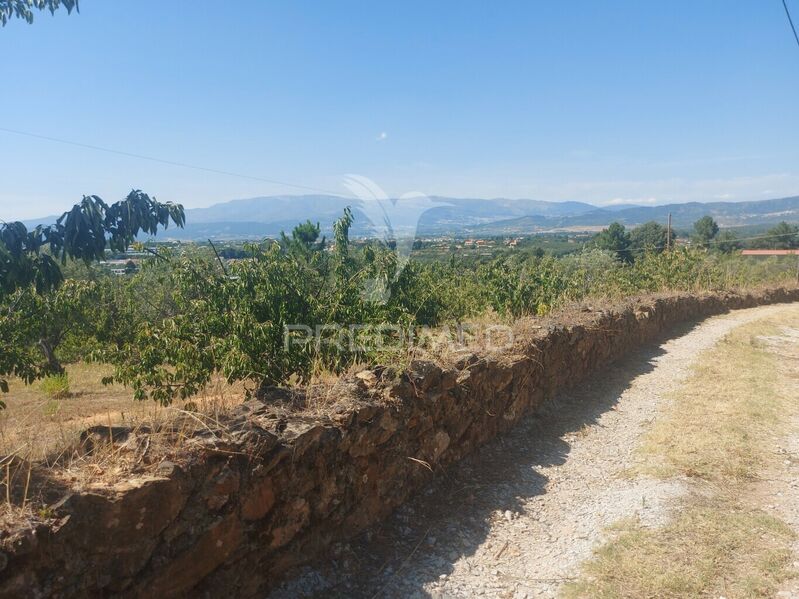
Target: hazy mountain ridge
(254,218)
(727,214)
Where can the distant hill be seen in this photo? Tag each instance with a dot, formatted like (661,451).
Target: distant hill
(727,214)
(256,218)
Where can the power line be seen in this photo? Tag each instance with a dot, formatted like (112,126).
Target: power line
(790,20)
(169,162)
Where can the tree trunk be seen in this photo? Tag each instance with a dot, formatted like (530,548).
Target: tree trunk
(53,365)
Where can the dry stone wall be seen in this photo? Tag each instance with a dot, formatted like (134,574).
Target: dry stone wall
(232,517)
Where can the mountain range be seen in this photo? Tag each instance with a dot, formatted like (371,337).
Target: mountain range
(256,218)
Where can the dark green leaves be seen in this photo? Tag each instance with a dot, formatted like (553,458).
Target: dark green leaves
(615,239)
(705,230)
(36,311)
(782,236)
(82,233)
(32,320)
(23,9)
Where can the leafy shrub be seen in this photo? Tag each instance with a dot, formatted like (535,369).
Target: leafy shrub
(55,386)
(180,320)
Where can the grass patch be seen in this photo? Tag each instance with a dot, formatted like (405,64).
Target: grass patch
(719,427)
(38,422)
(716,423)
(714,549)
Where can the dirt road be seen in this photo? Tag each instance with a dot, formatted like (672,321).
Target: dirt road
(518,518)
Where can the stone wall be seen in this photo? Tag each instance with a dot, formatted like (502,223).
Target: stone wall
(231,517)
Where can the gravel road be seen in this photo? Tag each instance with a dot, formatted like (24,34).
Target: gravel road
(517,518)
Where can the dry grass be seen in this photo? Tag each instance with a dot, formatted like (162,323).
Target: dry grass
(719,429)
(43,430)
(717,422)
(37,427)
(40,450)
(715,548)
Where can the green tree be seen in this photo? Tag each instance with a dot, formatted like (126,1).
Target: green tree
(82,233)
(650,237)
(23,9)
(250,323)
(36,324)
(727,242)
(614,239)
(783,236)
(705,230)
(304,238)
(34,310)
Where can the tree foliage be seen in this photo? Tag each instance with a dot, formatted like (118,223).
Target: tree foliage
(33,325)
(650,237)
(82,233)
(304,238)
(283,310)
(615,239)
(36,310)
(24,9)
(705,230)
(782,236)
(239,318)
(726,242)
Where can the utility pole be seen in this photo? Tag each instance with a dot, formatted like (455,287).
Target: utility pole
(668,234)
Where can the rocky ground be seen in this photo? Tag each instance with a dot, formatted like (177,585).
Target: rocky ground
(517,518)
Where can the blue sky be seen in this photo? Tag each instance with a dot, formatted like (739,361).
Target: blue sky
(613,101)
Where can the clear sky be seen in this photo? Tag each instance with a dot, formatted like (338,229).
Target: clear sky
(612,101)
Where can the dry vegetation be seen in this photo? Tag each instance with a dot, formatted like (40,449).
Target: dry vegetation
(37,426)
(41,427)
(712,549)
(42,421)
(719,432)
(41,444)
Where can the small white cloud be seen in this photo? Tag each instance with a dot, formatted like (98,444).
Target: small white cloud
(383,136)
(634,201)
